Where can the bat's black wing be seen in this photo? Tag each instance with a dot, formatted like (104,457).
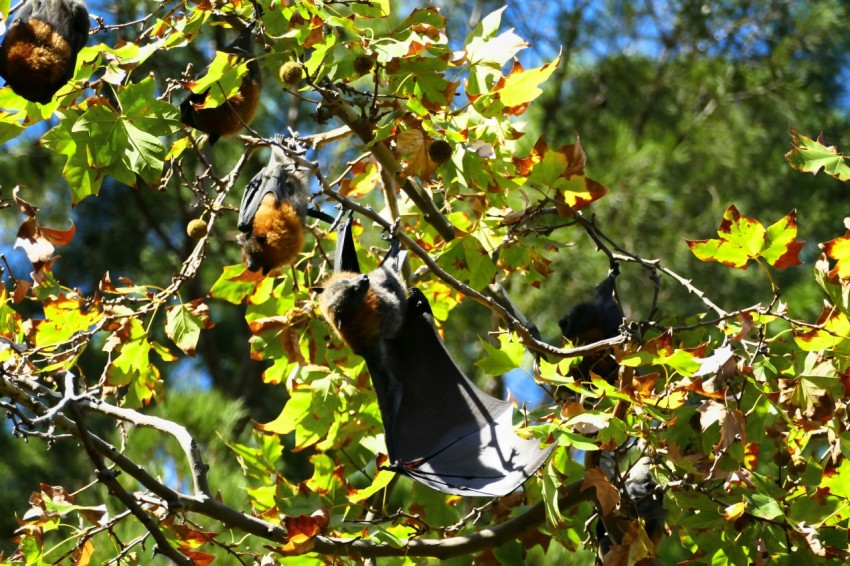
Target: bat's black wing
(277,178)
(345,258)
(243,44)
(441,430)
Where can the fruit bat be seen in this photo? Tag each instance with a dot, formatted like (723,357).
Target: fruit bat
(644,499)
(594,320)
(238,110)
(39,50)
(273,211)
(440,429)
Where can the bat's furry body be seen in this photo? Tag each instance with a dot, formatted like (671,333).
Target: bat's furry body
(363,309)
(643,499)
(39,50)
(272,214)
(237,111)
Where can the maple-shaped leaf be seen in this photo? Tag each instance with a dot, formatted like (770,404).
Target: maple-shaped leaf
(512,94)
(830,330)
(563,170)
(732,422)
(743,238)
(810,156)
(838,249)
(413,145)
(225,74)
(607,495)
(183,324)
(363,180)
(302,530)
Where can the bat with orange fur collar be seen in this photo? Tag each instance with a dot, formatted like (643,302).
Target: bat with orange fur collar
(39,51)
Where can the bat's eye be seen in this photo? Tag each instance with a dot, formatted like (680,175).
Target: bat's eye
(262,239)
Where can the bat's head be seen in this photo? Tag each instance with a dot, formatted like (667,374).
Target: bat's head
(344,295)
(253,251)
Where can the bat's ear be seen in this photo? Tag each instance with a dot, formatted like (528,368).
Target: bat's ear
(606,288)
(345,258)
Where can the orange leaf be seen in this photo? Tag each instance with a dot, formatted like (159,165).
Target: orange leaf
(606,494)
(59,237)
(82,555)
(839,250)
(301,530)
(734,511)
(413,144)
(364,179)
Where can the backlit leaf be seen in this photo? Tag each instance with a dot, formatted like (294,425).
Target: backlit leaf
(810,156)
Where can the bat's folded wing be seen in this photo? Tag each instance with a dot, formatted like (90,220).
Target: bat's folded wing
(441,430)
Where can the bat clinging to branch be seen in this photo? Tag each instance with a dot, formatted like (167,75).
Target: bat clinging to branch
(440,429)
(39,50)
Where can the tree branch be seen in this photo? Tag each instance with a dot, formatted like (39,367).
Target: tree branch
(454,546)
(411,186)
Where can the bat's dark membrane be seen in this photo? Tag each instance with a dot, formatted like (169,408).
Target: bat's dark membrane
(237,111)
(440,429)
(595,320)
(272,214)
(39,51)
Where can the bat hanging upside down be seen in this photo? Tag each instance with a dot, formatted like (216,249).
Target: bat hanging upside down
(366,308)
(440,429)
(39,51)
(273,212)
(594,320)
(237,111)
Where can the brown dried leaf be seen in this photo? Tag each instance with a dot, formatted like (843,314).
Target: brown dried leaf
(413,145)
(29,239)
(25,207)
(607,495)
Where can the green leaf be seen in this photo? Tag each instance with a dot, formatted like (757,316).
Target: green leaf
(741,239)
(521,87)
(184,328)
(810,156)
(577,441)
(382,480)
(481,266)
(372,9)
(222,79)
(783,248)
(764,506)
(232,285)
(467,260)
(132,366)
(503,359)
(104,142)
(323,479)
(551,483)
